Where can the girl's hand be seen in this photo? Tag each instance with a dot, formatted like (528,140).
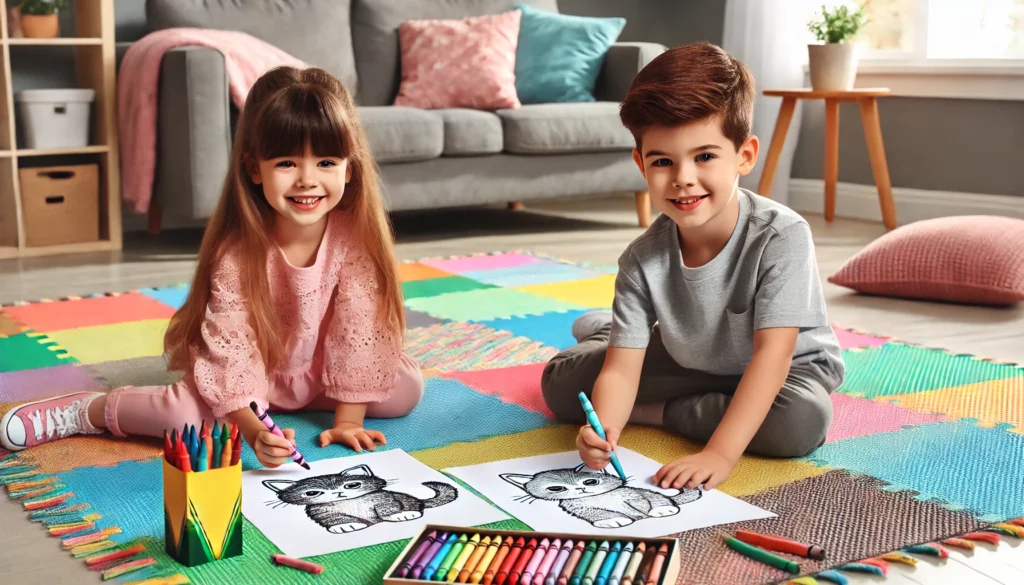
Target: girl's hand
(595,451)
(352,435)
(273,451)
(707,468)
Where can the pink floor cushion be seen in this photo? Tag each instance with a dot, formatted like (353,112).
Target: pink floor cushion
(975,259)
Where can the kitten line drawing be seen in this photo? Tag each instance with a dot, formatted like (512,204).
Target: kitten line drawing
(598,497)
(355,499)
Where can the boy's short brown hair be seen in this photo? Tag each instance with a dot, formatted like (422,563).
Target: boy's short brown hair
(689,83)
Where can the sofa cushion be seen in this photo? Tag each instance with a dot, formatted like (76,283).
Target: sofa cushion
(471,132)
(375,36)
(576,127)
(316,31)
(560,56)
(460,63)
(400,134)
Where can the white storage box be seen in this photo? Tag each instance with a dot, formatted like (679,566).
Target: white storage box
(55,118)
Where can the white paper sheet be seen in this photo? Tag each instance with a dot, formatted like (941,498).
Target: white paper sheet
(557,493)
(356,510)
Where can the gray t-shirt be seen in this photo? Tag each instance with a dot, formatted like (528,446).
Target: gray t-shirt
(766,276)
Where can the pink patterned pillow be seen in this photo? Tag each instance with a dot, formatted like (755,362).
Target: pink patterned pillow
(976,259)
(466,63)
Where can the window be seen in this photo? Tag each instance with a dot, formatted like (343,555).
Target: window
(920,31)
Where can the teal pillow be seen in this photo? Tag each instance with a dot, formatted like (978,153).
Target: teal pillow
(559,56)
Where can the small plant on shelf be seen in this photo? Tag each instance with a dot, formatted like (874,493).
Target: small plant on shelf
(39,18)
(838,25)
(833,63)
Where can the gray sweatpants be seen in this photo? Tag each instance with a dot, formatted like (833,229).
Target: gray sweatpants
(695,401)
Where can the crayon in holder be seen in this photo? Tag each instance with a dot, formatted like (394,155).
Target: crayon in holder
(202,514)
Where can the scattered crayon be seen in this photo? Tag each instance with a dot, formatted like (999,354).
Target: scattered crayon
(762,555)
(176,579)
(802,581)
(299,564)
(779,544)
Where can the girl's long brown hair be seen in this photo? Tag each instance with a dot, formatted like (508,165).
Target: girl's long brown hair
(286,110)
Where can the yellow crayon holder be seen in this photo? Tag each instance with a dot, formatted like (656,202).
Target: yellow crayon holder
(202,514)
(669,572)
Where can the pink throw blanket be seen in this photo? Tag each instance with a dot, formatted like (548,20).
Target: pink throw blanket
(245,59)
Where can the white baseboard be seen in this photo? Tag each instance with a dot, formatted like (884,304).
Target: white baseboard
(854,201)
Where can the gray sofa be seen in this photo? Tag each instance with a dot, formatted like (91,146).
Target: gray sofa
(428,158)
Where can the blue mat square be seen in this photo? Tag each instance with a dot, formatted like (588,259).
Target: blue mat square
(969,467)
(173,296)
(551,329)
(450,412)
(105,489)
(543,272)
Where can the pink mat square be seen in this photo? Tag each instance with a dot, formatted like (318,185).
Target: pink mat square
(482,262)
(856,417)
(517,384)
(850,339)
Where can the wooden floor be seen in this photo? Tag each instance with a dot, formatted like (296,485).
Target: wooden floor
(592,230)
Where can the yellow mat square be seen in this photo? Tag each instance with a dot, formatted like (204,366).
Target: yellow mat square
(120,341)
(991,402)
(596,293)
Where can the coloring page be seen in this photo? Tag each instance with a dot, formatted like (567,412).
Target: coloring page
(558,493)
(357,501)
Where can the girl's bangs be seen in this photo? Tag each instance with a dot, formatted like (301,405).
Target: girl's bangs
(298,118)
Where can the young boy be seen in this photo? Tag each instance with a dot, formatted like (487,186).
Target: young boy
(718,330)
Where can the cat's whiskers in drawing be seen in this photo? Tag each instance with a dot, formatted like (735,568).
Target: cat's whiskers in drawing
(275,504)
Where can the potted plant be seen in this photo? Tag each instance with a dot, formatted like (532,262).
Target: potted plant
(833,64)
(39,18)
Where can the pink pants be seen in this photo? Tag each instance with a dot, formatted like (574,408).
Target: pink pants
(148,410)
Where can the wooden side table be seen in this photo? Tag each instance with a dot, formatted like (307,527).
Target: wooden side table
(867,98)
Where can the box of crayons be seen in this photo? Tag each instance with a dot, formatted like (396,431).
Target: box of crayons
(458,554)
(202,494)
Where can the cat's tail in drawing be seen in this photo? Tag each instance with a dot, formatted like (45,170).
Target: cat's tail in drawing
(446,494)
(685,496)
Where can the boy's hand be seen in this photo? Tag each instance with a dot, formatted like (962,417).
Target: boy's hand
(707,467)
(595,451)
(352,435)
(272,450)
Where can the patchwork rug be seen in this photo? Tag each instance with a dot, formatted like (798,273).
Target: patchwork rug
(925,444)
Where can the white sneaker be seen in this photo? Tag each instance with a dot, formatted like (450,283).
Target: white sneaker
(42,421)
(590,323)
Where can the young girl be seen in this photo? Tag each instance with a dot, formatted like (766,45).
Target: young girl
(295,303)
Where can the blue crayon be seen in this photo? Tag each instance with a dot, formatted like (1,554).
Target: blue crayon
(595,423)
(435,562)
(609,564)
(218,447)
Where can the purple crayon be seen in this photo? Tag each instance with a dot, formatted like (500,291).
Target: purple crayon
(269,423)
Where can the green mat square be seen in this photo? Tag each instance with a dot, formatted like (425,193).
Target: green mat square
(29,351)
(488,303)
(896,368)
(432,287)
